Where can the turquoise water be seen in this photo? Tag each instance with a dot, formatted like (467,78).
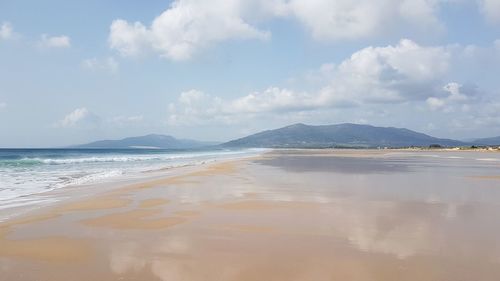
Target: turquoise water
(28,172)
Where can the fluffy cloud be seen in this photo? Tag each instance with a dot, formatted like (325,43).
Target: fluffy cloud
(274,100)
(406,71)
(490,9)
(454,94)
(129,39)
(6,31)
(190,25)
(62,41)
(192,107)
(197,107)
(94,64)
(184,28)
(79,116)
(373,75)
(83,118)
(345,19)
(479,114)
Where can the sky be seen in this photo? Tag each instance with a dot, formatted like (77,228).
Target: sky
(77,71)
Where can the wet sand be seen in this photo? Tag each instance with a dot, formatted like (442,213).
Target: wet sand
(288,215)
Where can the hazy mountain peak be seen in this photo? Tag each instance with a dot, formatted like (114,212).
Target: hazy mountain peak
(297,125)
(147,141)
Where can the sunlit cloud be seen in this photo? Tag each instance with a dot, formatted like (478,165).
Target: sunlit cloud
(61,41)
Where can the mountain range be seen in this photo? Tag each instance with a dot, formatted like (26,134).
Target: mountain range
(487,141)
(152,141)
(301,136)
(340,135)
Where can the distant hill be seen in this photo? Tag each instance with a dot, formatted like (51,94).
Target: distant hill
(148,141)
(341,135)
(487,141)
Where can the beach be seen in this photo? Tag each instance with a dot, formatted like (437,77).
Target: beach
(280,215)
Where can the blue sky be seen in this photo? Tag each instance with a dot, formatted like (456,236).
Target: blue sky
(72,72)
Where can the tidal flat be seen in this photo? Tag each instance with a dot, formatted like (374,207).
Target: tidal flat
(283,215)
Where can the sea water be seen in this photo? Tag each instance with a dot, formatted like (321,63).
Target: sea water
(27,173)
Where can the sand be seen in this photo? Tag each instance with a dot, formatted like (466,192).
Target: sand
(148,203)
(136,219)
(95,204)
(50,249)
(287,215)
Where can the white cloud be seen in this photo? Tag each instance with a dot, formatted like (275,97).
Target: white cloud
(129,39)
(490,9)
(3,105)
(83,118)
(196,107)
(453,95)
(74,117)
(47,41)
(193,107)
(183,29)
(272,100)
(435,103)
(346,19)
(108,64)
(6,31)
(188,26)
(391,74)
(79,116)
(406,71)
(479,115)
(420,13)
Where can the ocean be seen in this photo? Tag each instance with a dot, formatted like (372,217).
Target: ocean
(27,173)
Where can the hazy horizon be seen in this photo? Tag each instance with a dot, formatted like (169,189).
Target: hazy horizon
(220,70)
(75,145)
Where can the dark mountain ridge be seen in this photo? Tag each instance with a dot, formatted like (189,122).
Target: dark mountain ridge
(340,135)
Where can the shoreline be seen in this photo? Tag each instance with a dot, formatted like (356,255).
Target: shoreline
(71,193)
(67,193)
(29,177)
(283,215)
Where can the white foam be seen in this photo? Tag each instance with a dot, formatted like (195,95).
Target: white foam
(129,158)
(22,185)
(90,178)
(487,159)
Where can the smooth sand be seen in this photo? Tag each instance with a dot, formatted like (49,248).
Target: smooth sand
(148,203)
(288,215)
(135,219)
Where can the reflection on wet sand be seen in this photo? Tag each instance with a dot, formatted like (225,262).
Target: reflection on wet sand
(373,216)
(135,219)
